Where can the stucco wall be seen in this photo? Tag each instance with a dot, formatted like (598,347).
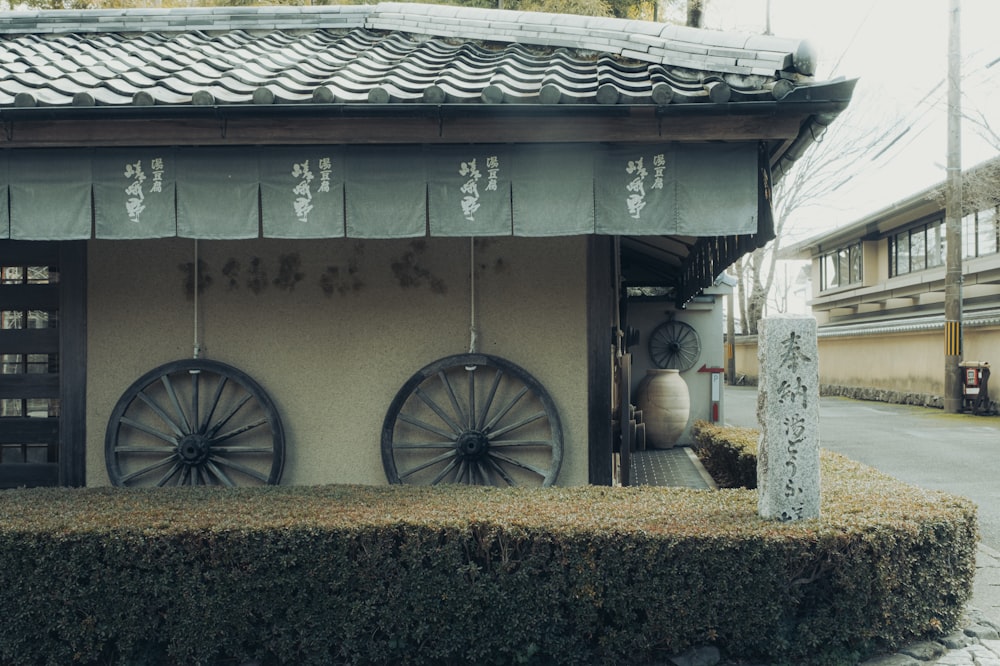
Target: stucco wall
(902,362)
(333,349)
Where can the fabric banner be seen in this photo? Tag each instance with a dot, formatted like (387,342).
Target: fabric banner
(553,189)
(468,191)
(716,189)
(634,190)
(385,191)
(134,193)
(302,192)
(4,198)
(217,193)
(50,195)
(706,189)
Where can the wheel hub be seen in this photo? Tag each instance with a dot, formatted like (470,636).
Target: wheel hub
(472,444)
(193,449)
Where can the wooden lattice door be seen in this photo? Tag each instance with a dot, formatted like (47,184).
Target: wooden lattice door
(42,363)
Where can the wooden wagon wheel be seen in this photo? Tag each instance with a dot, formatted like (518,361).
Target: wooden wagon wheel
(674,345)
(194,422)
(473,419)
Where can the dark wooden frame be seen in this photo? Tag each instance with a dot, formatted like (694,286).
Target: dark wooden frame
(73,357)
(601,290)
(72,379)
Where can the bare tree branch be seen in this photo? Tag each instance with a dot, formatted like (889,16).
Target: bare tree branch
(826,167)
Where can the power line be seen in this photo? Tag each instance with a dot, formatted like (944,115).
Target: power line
(850,43)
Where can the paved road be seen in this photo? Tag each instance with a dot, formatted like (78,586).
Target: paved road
(956,453)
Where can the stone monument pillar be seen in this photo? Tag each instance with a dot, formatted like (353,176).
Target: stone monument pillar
(788,414)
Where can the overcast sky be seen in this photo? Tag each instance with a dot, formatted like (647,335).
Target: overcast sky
(899,51)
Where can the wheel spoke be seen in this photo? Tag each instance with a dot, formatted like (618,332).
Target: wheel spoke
(426,426)
(226,481)
(249,471)
(507,408)
(143,449)
(195,381)
(514,426)
(460,474)
(166,477)
(239,431)
(486,471)
(519,443)
(443,473)
(232,412)
(429,463)
(489,400)
(501,471)
(241,449)
(203,426)
(169,385)
(160,412)
(472,396)
(454,402)
(438,410)
(149,430)
(150,468)
(518,463)
(423,445)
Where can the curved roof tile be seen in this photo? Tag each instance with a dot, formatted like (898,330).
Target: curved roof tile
(390,52)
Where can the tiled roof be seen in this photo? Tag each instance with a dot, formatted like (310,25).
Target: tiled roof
(386,53)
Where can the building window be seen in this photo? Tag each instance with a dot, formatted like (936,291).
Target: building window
(900,251)
(841,267)
(918,248)
(981,233)
(856,264)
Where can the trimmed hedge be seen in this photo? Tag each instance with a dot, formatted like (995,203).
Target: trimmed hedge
(461,575)
(729,454)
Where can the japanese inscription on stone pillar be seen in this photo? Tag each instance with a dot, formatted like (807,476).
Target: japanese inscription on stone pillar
(788,414)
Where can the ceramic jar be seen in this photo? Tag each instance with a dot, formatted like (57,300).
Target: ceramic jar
(665,404)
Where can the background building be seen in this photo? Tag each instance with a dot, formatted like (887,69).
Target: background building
(878,294)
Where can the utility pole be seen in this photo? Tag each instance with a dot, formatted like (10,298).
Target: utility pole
(730,340)
(953,221)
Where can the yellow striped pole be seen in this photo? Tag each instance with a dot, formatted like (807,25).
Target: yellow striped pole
(953,338)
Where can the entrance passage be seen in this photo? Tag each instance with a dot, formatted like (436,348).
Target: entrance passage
(42,363)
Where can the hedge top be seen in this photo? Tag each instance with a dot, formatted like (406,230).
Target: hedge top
(855,497)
